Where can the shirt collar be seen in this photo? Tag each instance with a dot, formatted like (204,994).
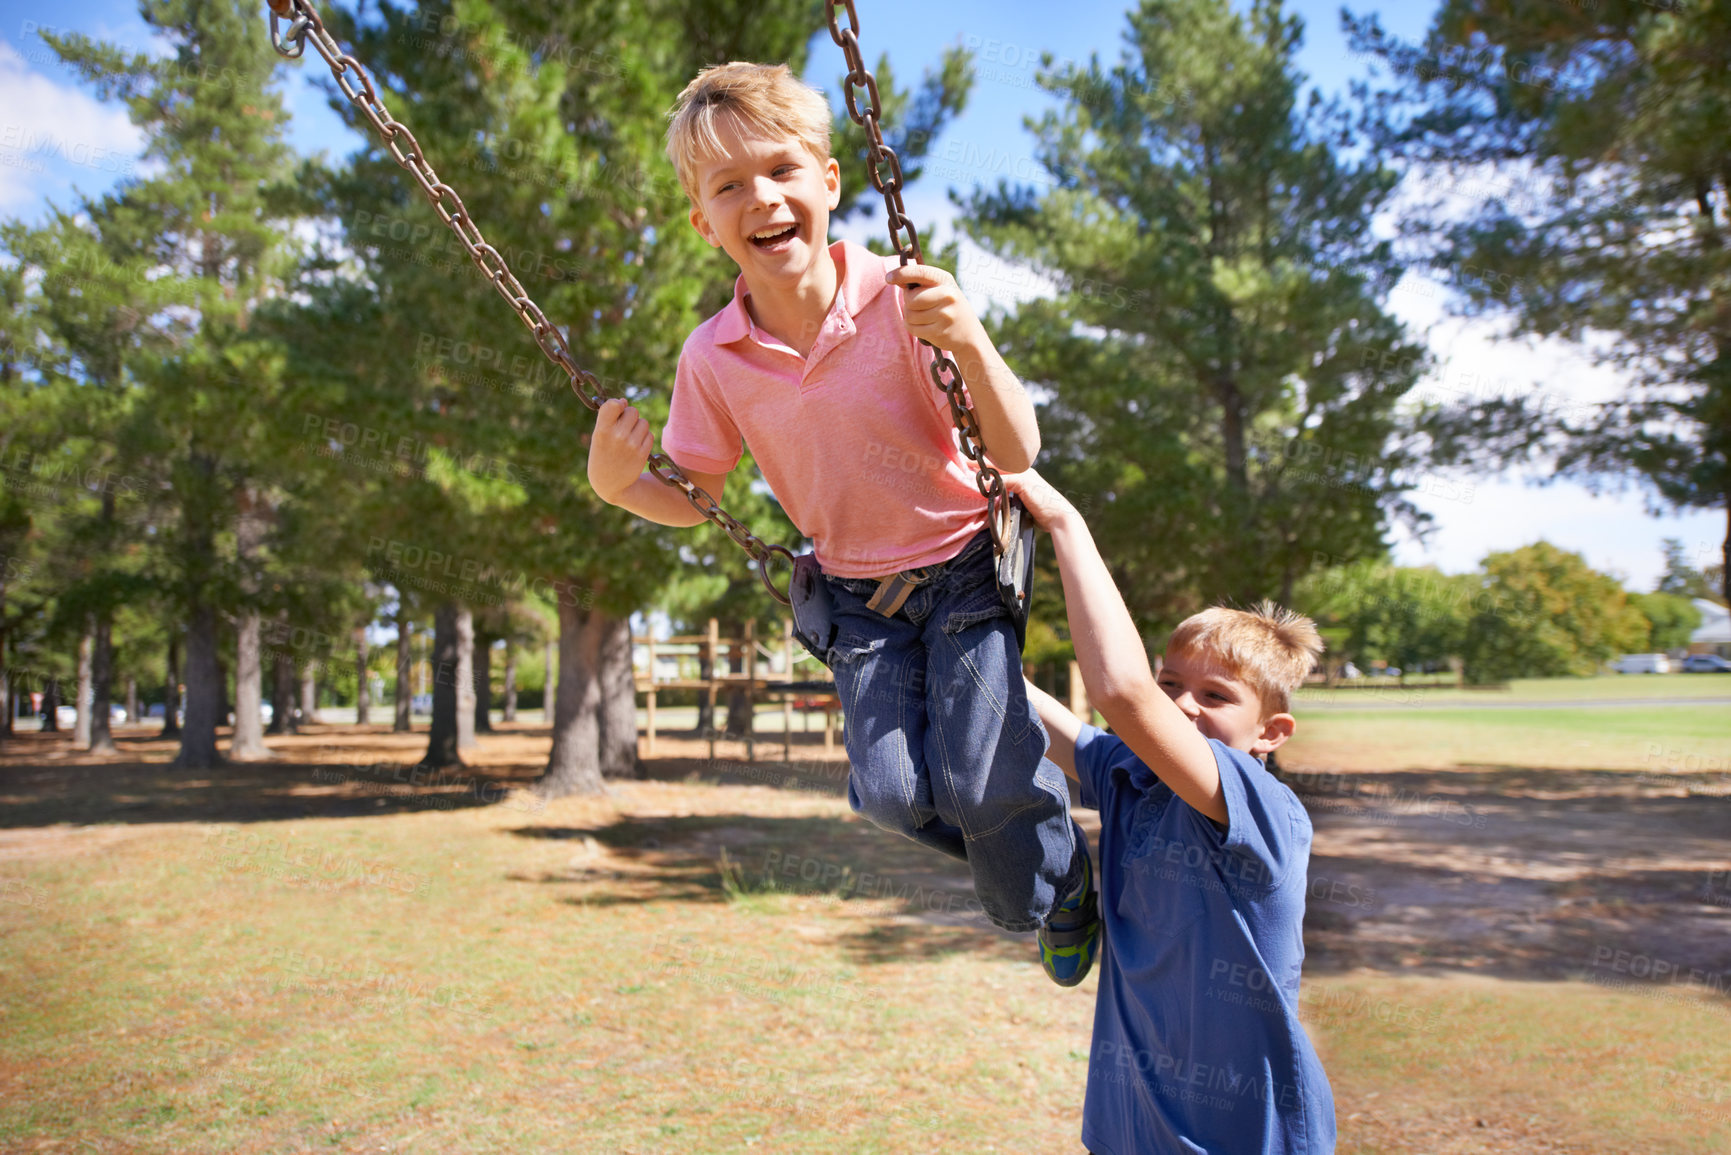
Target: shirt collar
(862,279)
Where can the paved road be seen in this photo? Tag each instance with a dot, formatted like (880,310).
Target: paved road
(1396,699)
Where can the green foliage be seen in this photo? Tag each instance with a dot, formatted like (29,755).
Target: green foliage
(1537,611)
(1685,580)
(1375,612)
(1224,381)
(1548,614)
(1671,618)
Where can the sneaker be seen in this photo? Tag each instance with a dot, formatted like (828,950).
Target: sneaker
(1071,937)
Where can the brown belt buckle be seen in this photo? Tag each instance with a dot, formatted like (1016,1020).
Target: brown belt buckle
(893,592)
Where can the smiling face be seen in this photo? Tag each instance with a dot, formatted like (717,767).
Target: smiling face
(766,203)
(1222,705)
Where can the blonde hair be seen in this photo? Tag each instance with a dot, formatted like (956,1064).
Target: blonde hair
(1270,648)
(766,100)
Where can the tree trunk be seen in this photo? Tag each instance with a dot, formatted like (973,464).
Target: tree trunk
(224,700)
(442,738)
(363,693)
(247,742)
(510,714)
(51,707)
(282,694)
(171,690)
(465,678)
(618,729)
(309,694)
(547,682)
(405,698)
(738,712)
(483,685)
(81,727)
(203,693)
(574,765)
(102,685)
(131,700)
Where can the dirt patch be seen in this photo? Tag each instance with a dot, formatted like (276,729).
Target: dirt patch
(1618,878)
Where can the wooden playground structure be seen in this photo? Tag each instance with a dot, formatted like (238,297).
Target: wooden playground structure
(779,671)
(751,669)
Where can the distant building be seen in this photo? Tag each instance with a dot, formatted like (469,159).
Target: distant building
(1713,636)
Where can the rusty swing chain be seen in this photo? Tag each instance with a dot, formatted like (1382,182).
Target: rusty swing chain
(886,177)
(357,84)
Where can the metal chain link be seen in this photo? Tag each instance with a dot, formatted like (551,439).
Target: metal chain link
(357,84)
(886,177)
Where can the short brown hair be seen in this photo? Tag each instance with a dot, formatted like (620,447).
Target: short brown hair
(1271,648)
(768,100)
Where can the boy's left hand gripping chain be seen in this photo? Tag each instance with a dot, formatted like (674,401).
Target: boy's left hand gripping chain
(357,85)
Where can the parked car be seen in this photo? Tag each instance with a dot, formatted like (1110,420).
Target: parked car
(1706,664)
(1642,664)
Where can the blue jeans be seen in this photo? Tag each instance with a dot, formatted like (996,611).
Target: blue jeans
(944,745)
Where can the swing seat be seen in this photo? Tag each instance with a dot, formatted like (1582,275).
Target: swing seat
(1016,569)
(813,608)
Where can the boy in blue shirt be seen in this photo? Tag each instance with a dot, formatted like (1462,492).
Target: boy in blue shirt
(1203,859)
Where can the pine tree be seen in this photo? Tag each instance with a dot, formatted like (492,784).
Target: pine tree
(206,234)
(1225,381)
(1599,133)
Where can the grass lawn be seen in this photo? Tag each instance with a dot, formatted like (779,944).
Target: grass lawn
(279,959)
(1603,687)
(1662,739)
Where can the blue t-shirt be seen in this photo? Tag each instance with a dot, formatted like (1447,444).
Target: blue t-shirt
(1197,1044)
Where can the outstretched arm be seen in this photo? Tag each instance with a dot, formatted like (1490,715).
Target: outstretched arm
(1114,665)
(1062,729)
(617,454)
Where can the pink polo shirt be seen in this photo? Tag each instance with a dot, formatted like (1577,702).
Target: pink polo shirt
(855,441)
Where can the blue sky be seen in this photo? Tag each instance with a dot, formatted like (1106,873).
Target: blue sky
(55,140)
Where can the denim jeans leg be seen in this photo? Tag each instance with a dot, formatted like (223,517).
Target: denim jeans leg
(985,748)
(880,673)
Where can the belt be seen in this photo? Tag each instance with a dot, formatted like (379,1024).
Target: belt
(894,591)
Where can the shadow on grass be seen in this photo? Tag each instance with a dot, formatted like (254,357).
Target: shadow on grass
(1618,878)
(916,904)
(44,783)
(813,776)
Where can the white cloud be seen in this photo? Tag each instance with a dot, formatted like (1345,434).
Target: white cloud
(54,134)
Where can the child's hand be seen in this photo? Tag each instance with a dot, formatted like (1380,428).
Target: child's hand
(1044,504)
(936,309)
(619,450)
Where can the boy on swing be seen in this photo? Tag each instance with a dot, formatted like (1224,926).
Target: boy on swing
(816,365)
